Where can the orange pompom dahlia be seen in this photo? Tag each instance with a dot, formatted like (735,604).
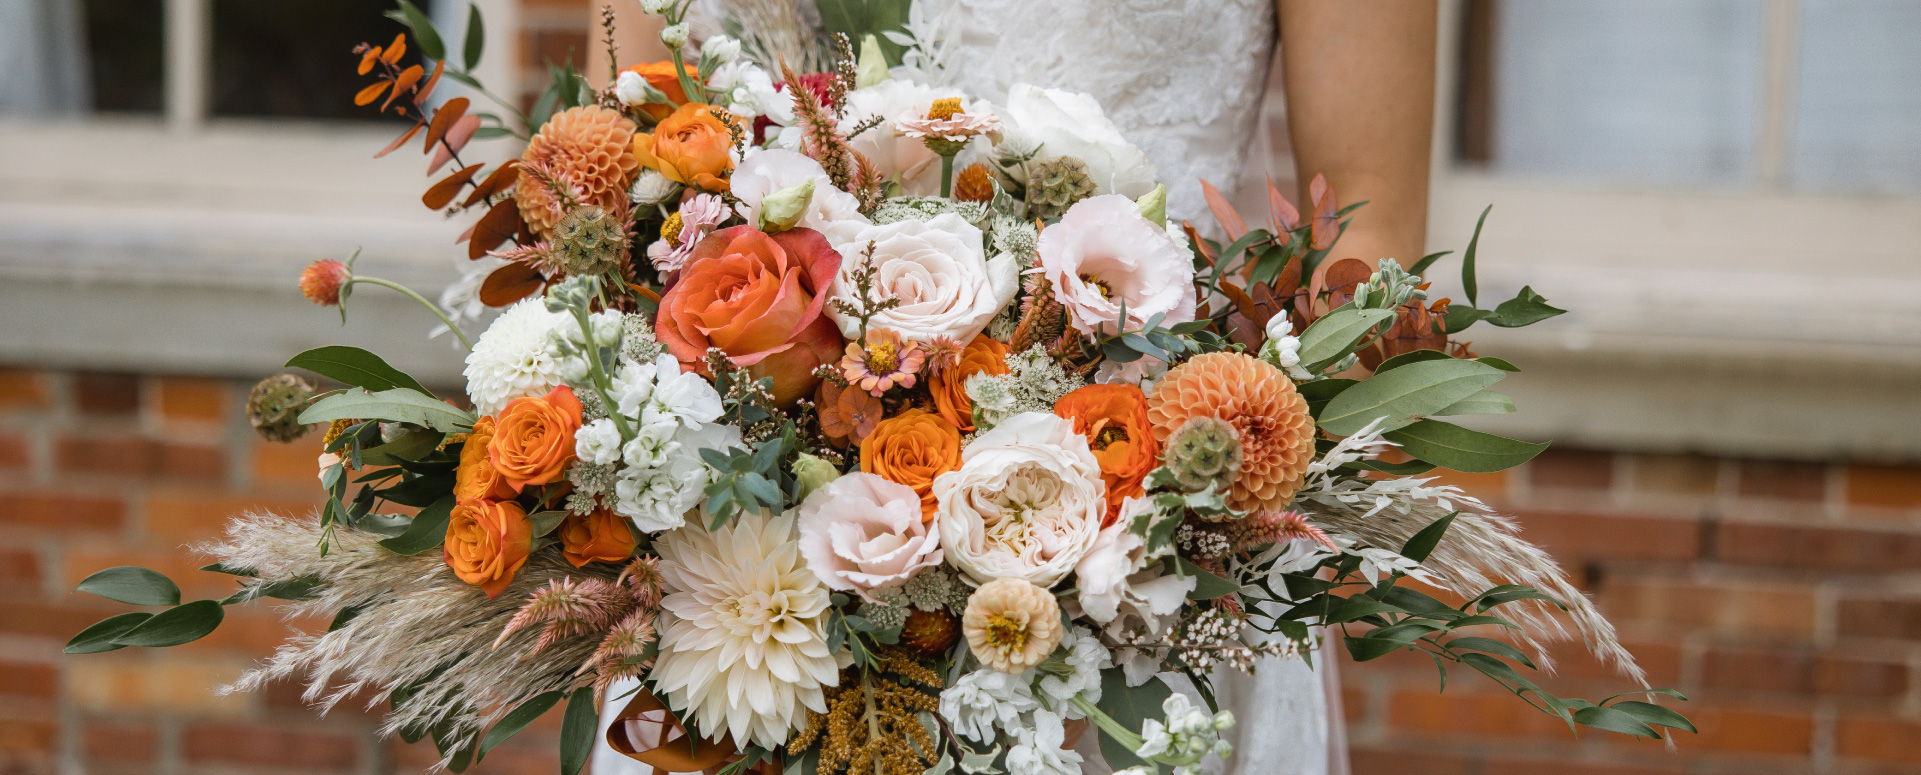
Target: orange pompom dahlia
(589,148)
(1276,432)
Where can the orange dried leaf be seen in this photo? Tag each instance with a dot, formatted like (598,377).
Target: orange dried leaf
(1194,236)
(1282,212)
(371,93)
(368,59)
(395,50)
(401,140)
(509,284)
(405,81)
(1225,213)
(427,89)
(500,224)
(444,120)
(1325,229)
(644,292)
(456,139)
(440,194)
(502,178)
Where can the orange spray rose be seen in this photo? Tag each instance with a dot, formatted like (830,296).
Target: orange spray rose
(1114,420)
(691,146)
(534,438)
(487,543)
(759,298)
(601,536)
(661,75)
(984,354)
(912,448)
(476,478)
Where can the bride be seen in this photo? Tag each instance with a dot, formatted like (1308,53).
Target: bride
(1185,80)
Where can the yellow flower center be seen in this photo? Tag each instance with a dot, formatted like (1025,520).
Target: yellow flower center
(883,357)
(1099,286)
(944,108)
(1006,634)
(670,229)
(1106,433)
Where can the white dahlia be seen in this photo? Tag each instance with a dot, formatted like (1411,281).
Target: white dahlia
(743,634)
(515,356)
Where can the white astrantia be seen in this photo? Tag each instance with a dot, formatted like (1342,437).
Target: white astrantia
(1084,658)
(598,442)
(1116,585)
(1043,748)
(1026,503)
(743,634)
(986,700)
(936,269)
(832,212)
(1066,123)
(515,357)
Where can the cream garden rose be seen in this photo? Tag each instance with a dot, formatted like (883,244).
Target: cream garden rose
(1026,503)
(1101,253)
(937,269)
(1068,123)
(861,531)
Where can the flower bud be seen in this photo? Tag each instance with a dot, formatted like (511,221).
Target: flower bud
(1153,205)
(720,50)
(779,211)
(655,7)
(872,67)
(675,36)
(811,473)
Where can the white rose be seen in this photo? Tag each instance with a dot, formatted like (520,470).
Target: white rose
(831,211)
(861,531)
(1103,252)
(1117,589)
(1027,502)
(896,154)
(1071,124)
(936,269)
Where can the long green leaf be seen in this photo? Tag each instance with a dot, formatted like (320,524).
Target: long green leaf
(476,37)
(1335,333)
(518,719)
(1207,586)
(1526,308)
(1451,446)
(1468,282)
(356,367)
(1399,396)
(101,636)
(1422,544)
(423,27)
(1129,705)
(174,626)
(1491,646)
(398,405)
(1482,402)
(577,730)
(1650,713)
(132,585)
(428,529)
(1614,720)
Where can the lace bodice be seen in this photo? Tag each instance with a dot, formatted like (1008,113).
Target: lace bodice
(1182,78)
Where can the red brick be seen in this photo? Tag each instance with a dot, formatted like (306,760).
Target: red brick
(1572,469)
(1363,761)
(21,389)
(61,511)
(26,679)
(16,452)
(191,399)
(103,741)
(180,513)
(129,456)
(1484,486)
(1468,713)
(1878,739)
(261,746)
(1748,731)
(26,736)
(20,566)
(60,622)
(1689,475)
(189,461)
(106,394)
(1782,480)
(290,463)
(1884,486)
(1825,547)
(556,46)
(1572,537)
(1860,676)
(1564,767)
(1879,618)
(1724,606)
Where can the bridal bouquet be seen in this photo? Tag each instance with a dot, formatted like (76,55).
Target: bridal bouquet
(837,421)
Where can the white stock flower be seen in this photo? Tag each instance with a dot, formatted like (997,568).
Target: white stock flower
(651,445)
(598,442)
(1041,750)
(1118,589)
(1072,124)
(659,498)
(937,270)
(1026,503)
(515,357)
(986,699)
(1103,255)
(748,91)
(831,211)
(1085,658)
(897,154)
(680,396)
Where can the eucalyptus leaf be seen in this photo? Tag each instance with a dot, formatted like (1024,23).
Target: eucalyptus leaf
(1457,448)
(1652,714)
(1482,402)
(132,585)
(399,405)
(476,38)
(1614,720)
(412,445)
(1399,396)
(101,636)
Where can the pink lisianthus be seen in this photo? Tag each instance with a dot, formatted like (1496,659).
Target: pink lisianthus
(860,532)
(698,216)
(1103,253)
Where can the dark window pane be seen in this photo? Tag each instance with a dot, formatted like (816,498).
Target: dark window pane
(125,51)
(295,57)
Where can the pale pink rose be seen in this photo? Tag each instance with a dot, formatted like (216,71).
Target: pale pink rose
(861,532)
(1103,252)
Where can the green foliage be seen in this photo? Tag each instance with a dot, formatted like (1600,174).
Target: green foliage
(425,35)
(855,631)
(476,38)
(1468,281)
(1337,334)
(174,626)
(1399,396)
(132,585)
(745,481)
(397,405)
(1452,446)
(1153,340)
(426,532)
(355,367)
(1129,706)
(577,730)
(859,18)
(518,719)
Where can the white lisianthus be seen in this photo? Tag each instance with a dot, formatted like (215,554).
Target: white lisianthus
(1027,502)
(598,442)
(515,357)
(831,211)
(1043,748)
(898,155)
(1103,253)
(1116,586)
(1068,123)
(986,699)
(936,269)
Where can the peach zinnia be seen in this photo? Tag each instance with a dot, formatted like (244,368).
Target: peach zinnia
(1276,432)
(1011,624)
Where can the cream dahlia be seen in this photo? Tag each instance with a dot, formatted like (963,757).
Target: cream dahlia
(743,635)
(1276,432)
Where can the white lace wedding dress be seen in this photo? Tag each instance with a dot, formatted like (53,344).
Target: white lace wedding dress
(1184,80)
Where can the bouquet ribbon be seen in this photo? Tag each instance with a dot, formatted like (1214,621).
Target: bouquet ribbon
(645,730)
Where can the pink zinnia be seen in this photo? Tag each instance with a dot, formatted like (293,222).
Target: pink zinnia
(696,217)
(882,360)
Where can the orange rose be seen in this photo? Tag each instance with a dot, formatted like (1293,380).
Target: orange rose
(476,478)
(487,542)
(984,354)
(1114,420)
(534,438)
(661,75)
(602,536)
(759,298)
(911,449)
(691,146)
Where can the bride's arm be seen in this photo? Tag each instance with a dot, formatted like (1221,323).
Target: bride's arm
(1360,107)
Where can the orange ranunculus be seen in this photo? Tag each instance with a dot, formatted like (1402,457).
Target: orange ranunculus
(601,536)
(487,542)
(534,438)
(759,298)
(691,146)
(984,354)
(912,448)
(661,75)
(1114,420)
(476,478)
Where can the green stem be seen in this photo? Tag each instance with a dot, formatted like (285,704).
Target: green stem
(409,293)
(603,384)
(687,85)
(1113,728)
(947,174)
